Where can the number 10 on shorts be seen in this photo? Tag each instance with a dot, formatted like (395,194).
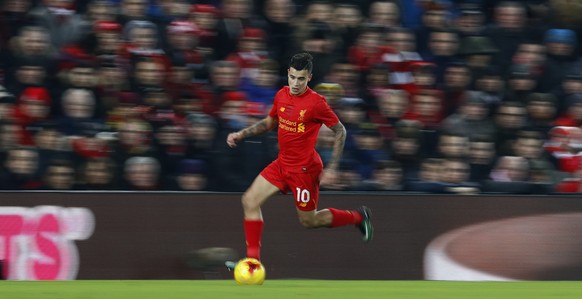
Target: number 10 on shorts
(302,196)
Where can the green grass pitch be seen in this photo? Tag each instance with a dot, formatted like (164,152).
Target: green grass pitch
(284,289)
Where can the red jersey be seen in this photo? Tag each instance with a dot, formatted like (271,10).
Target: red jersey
(299,119)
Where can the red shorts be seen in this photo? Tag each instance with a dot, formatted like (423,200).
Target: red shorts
(304,185)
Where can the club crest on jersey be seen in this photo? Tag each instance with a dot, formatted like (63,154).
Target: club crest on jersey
(302,115)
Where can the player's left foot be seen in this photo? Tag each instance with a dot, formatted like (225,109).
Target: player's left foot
(230,265)
(365,226)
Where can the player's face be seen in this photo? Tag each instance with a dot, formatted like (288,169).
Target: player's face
(298,80)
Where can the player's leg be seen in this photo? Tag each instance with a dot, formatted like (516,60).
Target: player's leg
(252,200)
(331,217)
(305,188)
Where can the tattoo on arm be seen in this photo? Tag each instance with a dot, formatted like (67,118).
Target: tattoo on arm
(338,145)
(260,127)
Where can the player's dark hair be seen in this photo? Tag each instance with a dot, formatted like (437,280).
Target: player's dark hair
(302,61)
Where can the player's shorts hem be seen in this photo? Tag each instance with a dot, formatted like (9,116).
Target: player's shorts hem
(281,189)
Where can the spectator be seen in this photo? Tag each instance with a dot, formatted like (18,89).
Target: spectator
(508,31)
(571,184)
(570,85)
(148,73)
(530,145)
(532,54)
(142,173)
(520,83)
(429,177)
(250,52)
(98,174)
(201,132)
(403,43)
(456,177)
(59,175)
(564,147)
(509,118)
(477,51)
(385,13)
(224,77)
(248,158)
(132,10)
(324,144)
(33,106)
(453,146)
(492,87)
(392,106)
(236,16)
(427,108)
(322,43)
(368,48)
(510,175)
(541,112)
(279,15)
(424,77)
(376,83)
(100,11)
(64,25)
(369,150)
(433,20)
(134,139)
(471,20)
(142,40)
(262,88)
(572,115)
(471,119)
(348,179)
(347,75)
(347,20)
(21,169)
(387,176)
(7,102)
(172,147)
(191,176)
(405,147)
(13,16)
(205,16)
(560,44)
(107,39)
(456,84)
(79,112)
(182,44)
(443,47)
(482,156)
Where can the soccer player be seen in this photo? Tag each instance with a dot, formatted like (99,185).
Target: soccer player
(299,113)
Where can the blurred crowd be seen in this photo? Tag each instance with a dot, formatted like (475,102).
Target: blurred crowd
(475,96)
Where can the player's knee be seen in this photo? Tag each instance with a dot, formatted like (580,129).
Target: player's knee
(248,202)
(308,222)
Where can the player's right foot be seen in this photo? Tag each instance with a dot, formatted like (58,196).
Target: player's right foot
(365,226)
(230,265)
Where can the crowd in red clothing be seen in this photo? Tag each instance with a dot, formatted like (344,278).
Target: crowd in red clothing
(461,97)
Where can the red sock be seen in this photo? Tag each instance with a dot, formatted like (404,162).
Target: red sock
(344,217)
(253,233)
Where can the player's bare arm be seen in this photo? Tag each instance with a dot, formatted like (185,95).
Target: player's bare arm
(330,174)
(260,127)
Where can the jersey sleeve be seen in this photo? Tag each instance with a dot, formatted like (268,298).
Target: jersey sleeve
(274,109)
(325,114)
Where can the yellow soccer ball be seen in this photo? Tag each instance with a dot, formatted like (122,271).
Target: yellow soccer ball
(249,271)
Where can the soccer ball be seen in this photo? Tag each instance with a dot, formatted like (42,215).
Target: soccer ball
(249,271)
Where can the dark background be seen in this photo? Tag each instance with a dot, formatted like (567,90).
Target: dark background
(148,235)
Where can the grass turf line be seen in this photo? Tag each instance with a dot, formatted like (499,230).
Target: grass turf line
(285,289)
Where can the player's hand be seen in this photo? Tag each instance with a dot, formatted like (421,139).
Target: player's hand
(233,138)
(329,177)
